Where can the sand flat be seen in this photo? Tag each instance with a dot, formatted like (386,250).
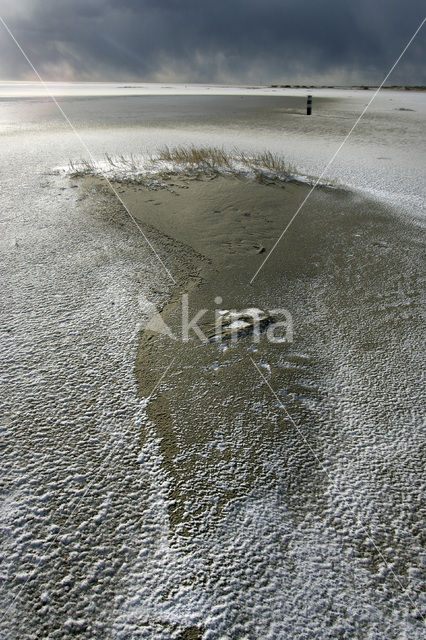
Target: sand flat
(344,274)
(206,509)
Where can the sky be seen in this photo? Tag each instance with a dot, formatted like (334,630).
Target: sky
(214,41)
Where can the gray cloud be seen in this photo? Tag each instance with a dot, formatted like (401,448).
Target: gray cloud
(282,41)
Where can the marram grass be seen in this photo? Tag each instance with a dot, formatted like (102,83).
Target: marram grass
(187,159)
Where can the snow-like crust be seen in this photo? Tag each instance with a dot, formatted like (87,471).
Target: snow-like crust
(86,529)
(88,548)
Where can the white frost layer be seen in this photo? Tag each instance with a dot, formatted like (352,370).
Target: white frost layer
(86,530)
(86,535)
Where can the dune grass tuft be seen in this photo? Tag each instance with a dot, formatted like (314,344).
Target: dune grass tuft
(187,159)
(216,158)
(210,157)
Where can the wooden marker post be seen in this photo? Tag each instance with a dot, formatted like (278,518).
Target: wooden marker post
(309,106)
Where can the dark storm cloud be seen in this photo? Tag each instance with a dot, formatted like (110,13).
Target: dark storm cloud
(222,41)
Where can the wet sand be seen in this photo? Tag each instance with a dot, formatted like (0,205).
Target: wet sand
(348,272)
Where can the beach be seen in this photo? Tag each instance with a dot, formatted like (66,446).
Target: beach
(301,421)
(158,487)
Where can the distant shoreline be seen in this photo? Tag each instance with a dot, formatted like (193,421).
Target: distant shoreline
(32,89)
(367,87)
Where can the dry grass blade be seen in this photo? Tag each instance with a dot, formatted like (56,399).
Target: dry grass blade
(217,158)
(210,157)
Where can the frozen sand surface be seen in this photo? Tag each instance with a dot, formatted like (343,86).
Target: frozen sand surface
(89,551)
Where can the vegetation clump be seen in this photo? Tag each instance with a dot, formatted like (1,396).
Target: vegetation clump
(186,160)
